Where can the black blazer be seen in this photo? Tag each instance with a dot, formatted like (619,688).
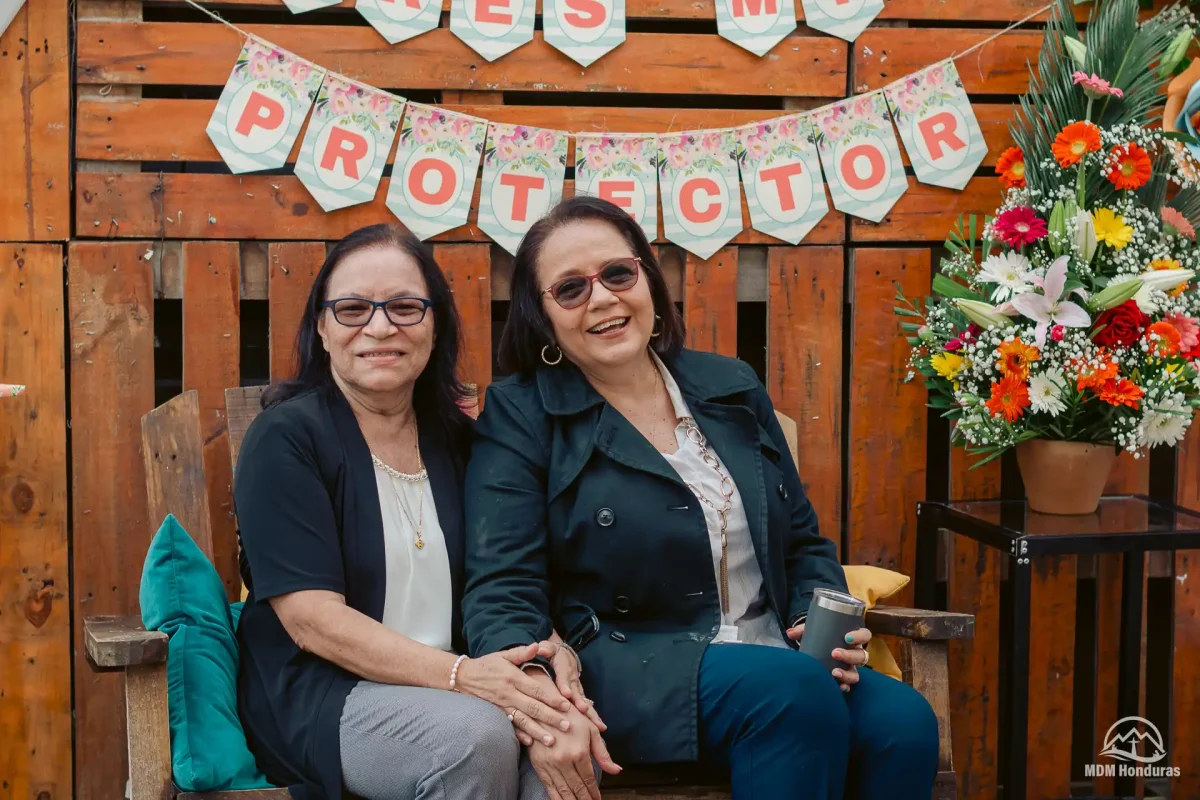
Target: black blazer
(309,518)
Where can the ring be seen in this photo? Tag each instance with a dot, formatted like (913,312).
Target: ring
(866,657)
(510,717)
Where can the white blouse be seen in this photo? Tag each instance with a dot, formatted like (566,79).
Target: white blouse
(418,599)
(750,619)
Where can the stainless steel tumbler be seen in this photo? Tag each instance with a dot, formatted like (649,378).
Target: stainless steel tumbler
(831,615)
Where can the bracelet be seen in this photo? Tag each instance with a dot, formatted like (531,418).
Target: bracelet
(454,672)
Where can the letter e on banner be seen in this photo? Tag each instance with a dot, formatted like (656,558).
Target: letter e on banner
(343,156)
(701,201)
(519,199)
(431,185)
(942,137)
(624,192)
(494,18)
(258,119)
(754,16)
(785,192)
(863,168)
(585,20)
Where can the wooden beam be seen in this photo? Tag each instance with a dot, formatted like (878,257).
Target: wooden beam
(710,302)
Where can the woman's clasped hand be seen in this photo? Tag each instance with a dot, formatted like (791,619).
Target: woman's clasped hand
(853,656)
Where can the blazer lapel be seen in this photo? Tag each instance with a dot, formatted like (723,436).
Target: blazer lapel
(619,440)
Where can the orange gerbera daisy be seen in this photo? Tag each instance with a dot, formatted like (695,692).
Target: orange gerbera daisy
(1169,263)
(1074,141)
(1010,166)
(1164,339)
(1010,397)
(1121,392)
(1015,358)
(1092,376)
(1132,169)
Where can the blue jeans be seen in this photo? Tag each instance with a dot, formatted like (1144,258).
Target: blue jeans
(778,721)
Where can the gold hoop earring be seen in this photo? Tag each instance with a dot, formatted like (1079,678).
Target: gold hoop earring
(653,333)
(546,360)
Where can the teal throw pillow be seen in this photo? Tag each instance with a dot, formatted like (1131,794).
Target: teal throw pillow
(182,596)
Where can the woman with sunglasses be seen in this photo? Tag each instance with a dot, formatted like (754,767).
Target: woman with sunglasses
(348,493)
(641,499)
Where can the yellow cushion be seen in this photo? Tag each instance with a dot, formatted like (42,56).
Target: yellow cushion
(872,584)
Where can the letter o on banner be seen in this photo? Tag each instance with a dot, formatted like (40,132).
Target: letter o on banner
(584,21)
(841,9)
(863,168)
(258,119)
(624,192)
(342,157)
(942,137)
(784,192)
(431,185)
(494,18)
(701,201)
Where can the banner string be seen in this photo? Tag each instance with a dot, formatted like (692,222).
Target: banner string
(954,57)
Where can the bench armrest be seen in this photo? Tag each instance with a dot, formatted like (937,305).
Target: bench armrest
(119,642)
(920,624)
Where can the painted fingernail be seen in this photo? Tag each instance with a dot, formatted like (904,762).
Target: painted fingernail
(845,688)
(837,673)
(849,638)
(548,740)
(566,726)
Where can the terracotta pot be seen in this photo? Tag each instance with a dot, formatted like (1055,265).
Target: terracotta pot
(1064,477)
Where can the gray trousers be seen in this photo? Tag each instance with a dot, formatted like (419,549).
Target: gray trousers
(409,743)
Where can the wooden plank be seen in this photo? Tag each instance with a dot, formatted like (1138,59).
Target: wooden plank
(173,452)
(199,54)
(149,732)
(1185,684)
(35,613)
(211,364)
(925,213)
(242,404)
(887,415)
(194,206)
(710,302)
(293,267)
(804,359)
(115,642)
(928,660)
(131,130)
(1130,476)
(468,268)
(1051,676)
(112,385)
(1001,67)
(35,89)
(973,587)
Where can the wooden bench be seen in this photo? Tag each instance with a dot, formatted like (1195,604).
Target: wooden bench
(173,450)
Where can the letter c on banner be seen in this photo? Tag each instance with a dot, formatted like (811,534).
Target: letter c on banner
(941,138)
(687,200)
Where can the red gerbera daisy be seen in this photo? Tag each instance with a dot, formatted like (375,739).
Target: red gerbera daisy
(1020,226)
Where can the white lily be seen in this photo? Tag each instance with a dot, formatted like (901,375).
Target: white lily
(1085,236)
(1051,308)
(982,314)
(1154,280)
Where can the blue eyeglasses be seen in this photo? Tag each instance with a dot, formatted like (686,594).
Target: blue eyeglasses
(355,312)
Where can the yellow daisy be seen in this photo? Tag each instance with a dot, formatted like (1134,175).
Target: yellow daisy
(1111,228)
(948,365)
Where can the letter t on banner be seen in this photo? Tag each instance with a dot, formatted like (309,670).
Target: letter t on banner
(938,126)
(860,155)
(492,28)
(757,25)
(523,171)
(262,107)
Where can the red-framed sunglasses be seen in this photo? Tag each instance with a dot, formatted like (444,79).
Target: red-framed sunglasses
(618,275)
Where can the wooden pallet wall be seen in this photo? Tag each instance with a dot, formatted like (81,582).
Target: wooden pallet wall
(157,221)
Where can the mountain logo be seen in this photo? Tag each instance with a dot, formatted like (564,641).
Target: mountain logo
(1125,741)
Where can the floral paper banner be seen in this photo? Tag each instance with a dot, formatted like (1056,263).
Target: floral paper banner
(10,389)
(262,107)
(938,126)
(584,29)
(620,168)
(702,206)
(757,25)
(433,176)
(492,28)
(348,141)
(781,171)
(523,172)
(860,156)
(300,6)
(845,19)
(399,20)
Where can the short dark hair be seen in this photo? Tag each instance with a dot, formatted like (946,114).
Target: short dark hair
(438,391)
(528,328)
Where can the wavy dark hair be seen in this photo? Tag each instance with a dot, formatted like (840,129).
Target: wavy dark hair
(438,390)
(528,328)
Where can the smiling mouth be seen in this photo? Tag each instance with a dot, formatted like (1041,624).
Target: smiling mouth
(381,354)
(609,326)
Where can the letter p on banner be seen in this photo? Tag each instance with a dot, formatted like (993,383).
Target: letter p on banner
(937,125)
(257,119)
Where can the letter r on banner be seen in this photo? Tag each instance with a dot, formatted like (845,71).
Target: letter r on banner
(349,147)
(521,185)
(782,178)
(608,190)
(876,159)
(941,129)
(687,200)
(446,181)
(261,111)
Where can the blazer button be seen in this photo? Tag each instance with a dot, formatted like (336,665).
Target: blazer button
(621,604)
(617,636)
(783,491)
(605,517)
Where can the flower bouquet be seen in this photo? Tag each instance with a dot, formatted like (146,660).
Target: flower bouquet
(1067,325)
